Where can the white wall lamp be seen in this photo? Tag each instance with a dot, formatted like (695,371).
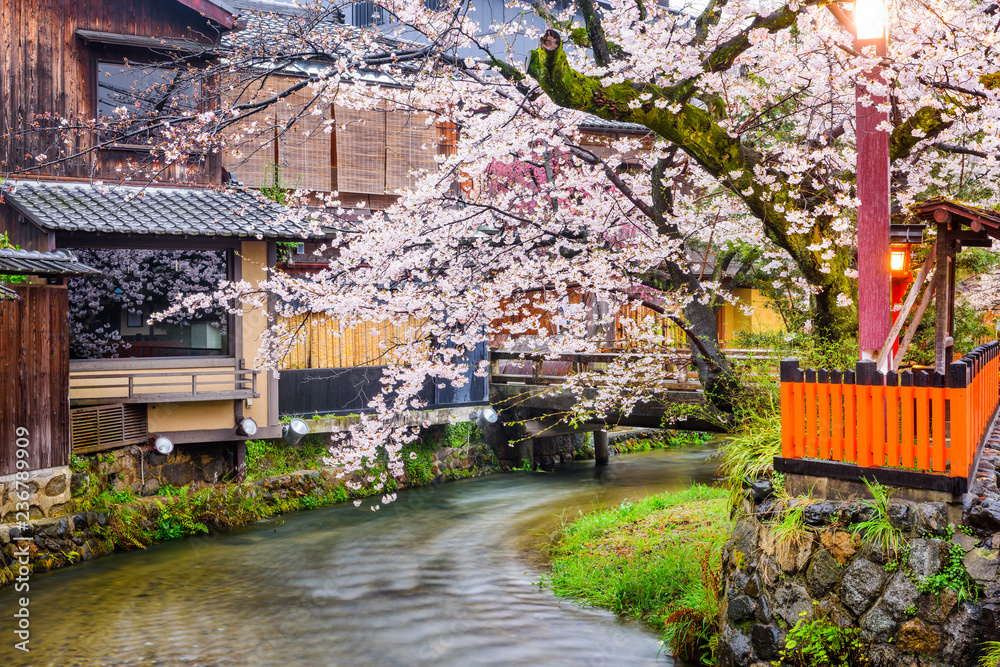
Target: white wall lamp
(162,445)
(294,431)
(246,427)
(484,417)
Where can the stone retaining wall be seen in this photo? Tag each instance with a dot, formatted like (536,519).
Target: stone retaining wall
(769,584)
(45,493)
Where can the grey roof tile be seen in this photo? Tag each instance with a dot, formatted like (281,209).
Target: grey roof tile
(34,263)
(75,207)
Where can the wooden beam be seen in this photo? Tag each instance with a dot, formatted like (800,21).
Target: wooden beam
(907,305)
(912,329)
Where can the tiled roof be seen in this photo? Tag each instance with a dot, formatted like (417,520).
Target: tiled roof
(122,209)
(33,263)
(595,123)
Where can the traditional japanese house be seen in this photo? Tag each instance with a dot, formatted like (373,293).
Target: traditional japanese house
(172,231)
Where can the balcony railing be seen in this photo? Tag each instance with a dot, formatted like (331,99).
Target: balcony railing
(911,421)
(163,387)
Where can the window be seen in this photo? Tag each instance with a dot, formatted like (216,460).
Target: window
(109,314)
(368,13)
(129,95)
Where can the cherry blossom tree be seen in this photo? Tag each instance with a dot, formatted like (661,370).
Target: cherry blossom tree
(750,107)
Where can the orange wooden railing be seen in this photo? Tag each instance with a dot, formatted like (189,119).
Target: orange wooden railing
(913,420)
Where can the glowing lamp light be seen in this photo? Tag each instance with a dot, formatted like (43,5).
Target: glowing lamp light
(871,18)
(247,427)
(294,431)
(899,259)
(485,417)
(163,445)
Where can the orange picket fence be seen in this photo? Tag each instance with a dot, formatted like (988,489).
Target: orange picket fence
(918,421)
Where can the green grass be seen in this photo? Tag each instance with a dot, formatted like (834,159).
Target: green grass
(878,532)
(656,559)
(666,440)
(750,454)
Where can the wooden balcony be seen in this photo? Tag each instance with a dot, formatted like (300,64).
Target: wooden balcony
(162,386)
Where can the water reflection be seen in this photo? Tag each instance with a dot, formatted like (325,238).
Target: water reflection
(444,576)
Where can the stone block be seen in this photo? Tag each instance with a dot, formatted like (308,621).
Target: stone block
(926,556)
(734,648)
(861,584)
(767,642)
(877,626)
(841,545)
(984,515)
(761,490)
(916,636)
(791,600)
(981,564)
(740,608)
(930,518)
(899,595)
(960,635)
(967,542)
(823,573)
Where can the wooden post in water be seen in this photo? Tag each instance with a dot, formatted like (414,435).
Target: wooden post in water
(601,451)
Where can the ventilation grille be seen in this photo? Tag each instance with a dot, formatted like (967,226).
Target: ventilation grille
(108,426)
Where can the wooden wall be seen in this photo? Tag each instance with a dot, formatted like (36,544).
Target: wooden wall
(46,68)
(34,376)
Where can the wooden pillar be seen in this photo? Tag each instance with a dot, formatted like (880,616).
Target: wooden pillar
(874,280)
(942,298)
(241,461)
(601,451)
(526,452)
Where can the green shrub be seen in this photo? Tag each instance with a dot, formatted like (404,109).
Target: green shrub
(819,642)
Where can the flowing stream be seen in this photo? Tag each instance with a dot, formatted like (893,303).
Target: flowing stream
(444,576)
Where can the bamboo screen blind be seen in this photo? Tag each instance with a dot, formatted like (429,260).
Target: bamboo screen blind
(360,151)
(411,144)
(304,150)
(253,163)
(323,343)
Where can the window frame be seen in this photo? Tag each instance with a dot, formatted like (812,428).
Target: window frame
(100,60)
(234,326)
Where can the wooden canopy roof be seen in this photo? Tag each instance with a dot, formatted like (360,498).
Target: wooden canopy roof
(983,224)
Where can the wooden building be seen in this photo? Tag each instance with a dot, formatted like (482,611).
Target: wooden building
(190,377)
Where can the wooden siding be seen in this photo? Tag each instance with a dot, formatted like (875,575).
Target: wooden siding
(46,68)
(34,374)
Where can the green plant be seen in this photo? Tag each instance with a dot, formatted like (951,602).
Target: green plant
(878,531)
(78,464)
(750,454)
(819,642)
(524,467)
(911,610)
(5,244)
(952,574)
(989,654)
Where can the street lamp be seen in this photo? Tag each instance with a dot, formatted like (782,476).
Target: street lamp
(870,19)
(874,283)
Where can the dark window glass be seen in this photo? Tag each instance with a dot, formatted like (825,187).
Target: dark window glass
(142,92)
(109,314)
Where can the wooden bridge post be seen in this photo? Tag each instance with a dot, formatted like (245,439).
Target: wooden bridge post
(601,452)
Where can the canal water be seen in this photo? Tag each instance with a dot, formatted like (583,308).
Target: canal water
(446,575)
